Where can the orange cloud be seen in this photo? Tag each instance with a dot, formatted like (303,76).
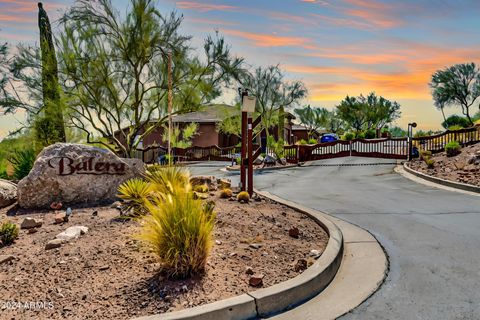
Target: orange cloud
(378,14)
(268,40)
(205,7)
(217,22)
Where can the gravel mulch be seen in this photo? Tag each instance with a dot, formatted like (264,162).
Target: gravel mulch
(464,167)
(107,274)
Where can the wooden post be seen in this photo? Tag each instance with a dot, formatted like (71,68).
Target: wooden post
(170,102)
(243,175)
(250,156)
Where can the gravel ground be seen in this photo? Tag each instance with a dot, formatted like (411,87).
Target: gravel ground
(107,274)
(455,168)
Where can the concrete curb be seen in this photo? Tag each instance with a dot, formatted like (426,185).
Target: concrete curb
(279,297)
(443,182)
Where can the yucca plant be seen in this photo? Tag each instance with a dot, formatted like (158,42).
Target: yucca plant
(22,161)
(179,231)
(136,193)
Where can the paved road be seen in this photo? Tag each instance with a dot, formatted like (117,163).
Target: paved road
(432,236)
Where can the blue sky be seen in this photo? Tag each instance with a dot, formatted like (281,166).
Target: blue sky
(337,47)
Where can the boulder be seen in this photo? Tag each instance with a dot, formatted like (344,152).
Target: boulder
(30,223)
(72,233)
(269,160)
(258,161)
(8,193)
(53,244)
(75,174)
(210,181)
(224,183)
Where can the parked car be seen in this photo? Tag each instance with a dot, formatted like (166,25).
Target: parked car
(328,137)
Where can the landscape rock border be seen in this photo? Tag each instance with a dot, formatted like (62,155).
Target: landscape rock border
(280,297)
(443,182)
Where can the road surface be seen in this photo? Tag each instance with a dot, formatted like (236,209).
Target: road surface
(432,236)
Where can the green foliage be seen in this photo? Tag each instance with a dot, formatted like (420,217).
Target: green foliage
(277,147)
(312,141)
(455,120)
(360,135)
(273,94)
(365,113)
(115,67)
(348,136)
(398,132)
(425,154)
(181,137)
(453,148)
(302,142)
(457,85)
(232,123)
(179,231)
(238,161)
(226,193)
(455,127)
(312,118)
(370,134)
(421,133)
(49,126)
(203,188)
(8,233)
(135,192)
(22,161)
(430,162)
(243,197)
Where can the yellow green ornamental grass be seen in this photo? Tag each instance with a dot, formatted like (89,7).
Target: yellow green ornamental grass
(175,226)
(179,230)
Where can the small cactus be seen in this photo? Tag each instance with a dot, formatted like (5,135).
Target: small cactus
(226,193)
(243,197)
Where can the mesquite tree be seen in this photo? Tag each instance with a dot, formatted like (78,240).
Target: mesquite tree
(457,85)
(273,94)
(115,71)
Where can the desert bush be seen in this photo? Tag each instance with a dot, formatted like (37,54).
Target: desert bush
(179,231)
(203,188)
(312,141)
(136,193)
(8,233)
(425,154)
(22,161)
(360,135)
(302,142)
(243,197)
(370,134)
(348,136)
(226,193)
(453,148)
(430,162)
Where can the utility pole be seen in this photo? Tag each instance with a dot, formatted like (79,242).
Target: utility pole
(170,102)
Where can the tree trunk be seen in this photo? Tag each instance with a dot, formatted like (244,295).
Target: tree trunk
(281,123)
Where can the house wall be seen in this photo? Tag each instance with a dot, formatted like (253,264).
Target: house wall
(300,134)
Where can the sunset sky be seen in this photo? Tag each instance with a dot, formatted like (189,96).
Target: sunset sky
(337,47)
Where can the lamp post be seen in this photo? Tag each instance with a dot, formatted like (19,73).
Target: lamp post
(410,141)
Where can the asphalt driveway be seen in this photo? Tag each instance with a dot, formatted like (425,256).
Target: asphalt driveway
(432,236)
